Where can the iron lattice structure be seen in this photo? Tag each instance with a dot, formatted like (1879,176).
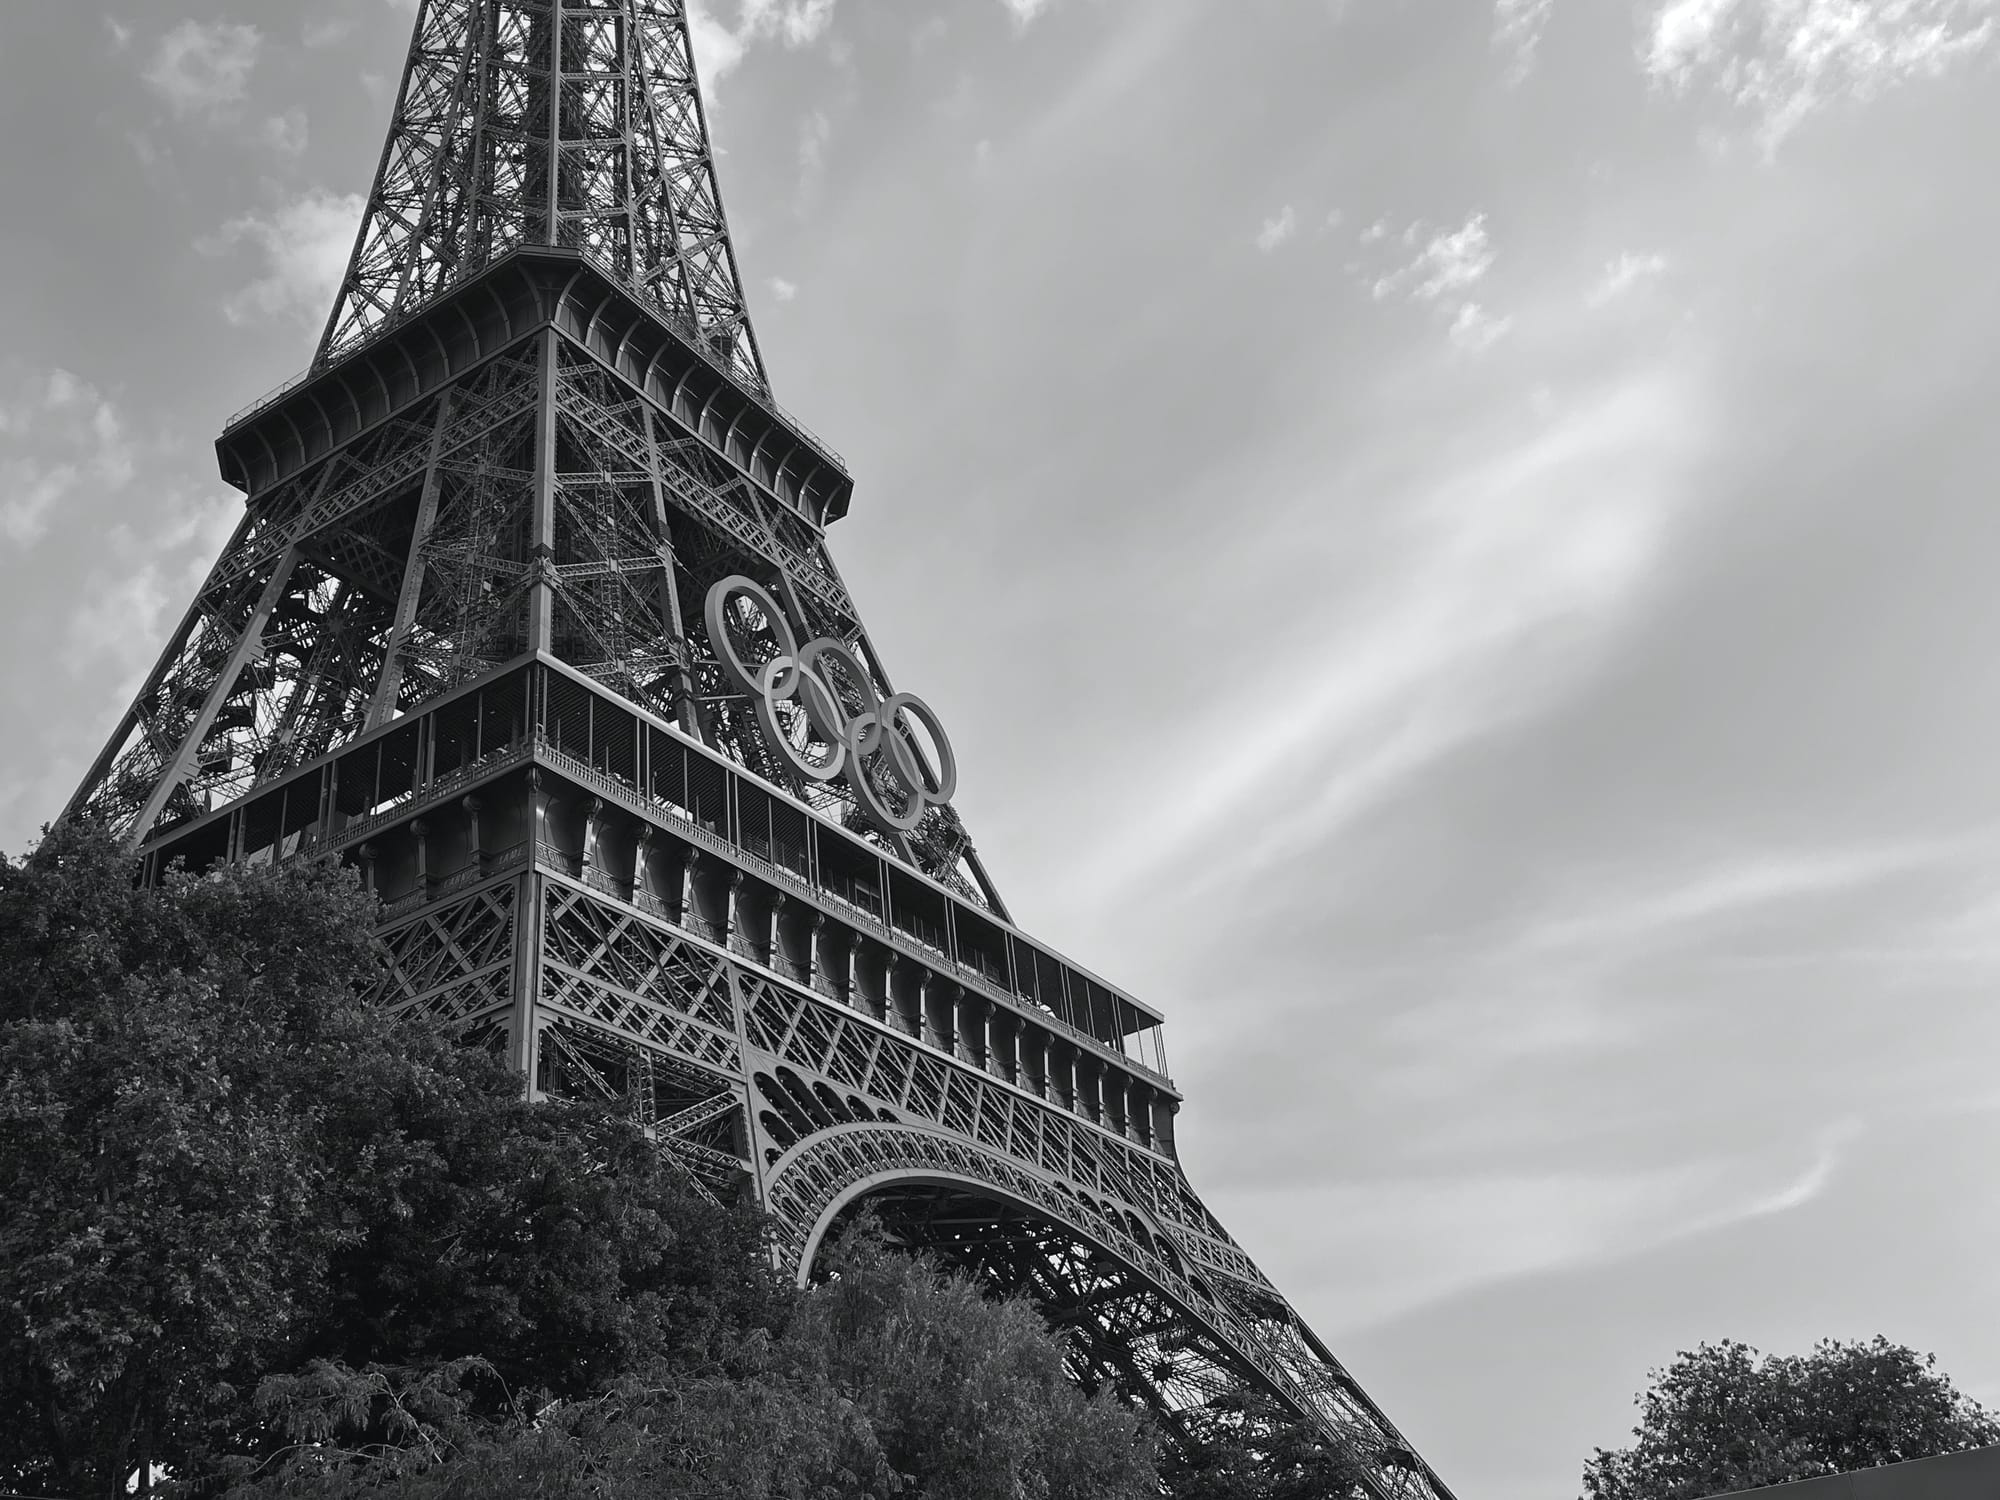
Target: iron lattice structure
(549,122)
(515,622)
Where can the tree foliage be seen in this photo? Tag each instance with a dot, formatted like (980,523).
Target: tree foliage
(1249,1447)
(1720,1419)
(893,1379)
(967,1396)
(162,1058)
(220,1161)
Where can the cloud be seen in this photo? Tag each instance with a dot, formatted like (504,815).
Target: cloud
(1561,986)
(304,245)
(286,134)
(1517,32)
(1510,568)
(782,289)
(122,615)
(815,131)
(1454,260)
(1277,229)
(719,47)
(1623,275)
(1724,891)
(204,68)
(1684,34)
(1025,11)
(325,30)
(1447,264)
(1781,60)
(61,441)
(1369,1251)
(1474,329)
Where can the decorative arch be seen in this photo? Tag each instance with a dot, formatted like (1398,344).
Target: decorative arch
(1108,1277)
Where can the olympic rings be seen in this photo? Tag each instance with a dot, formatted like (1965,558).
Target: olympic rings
(862,737)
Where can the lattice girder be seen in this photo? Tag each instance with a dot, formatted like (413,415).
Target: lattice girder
(573,123)
(409,560)
(1109,1239)
(1142,1323)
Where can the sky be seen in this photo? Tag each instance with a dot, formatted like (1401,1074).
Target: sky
(1453,541)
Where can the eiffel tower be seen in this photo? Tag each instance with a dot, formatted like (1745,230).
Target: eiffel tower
(530,618)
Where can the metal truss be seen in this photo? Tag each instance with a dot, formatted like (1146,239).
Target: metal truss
(830,1107)
(539,502)
(1138,1320)
(314,624)
(455,962)
(575,123)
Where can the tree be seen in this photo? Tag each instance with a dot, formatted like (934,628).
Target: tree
(1721,1419)
(221,1163)
(968,1396)
(550,1240)
(892,1379)
(1249,1447)
(158,1051)
(432,1434)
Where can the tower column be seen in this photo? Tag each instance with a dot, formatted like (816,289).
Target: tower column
(542,525)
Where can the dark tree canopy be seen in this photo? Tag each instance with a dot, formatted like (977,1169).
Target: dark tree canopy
(221,1163)
(1720,1418)
(1252,1448)
(268,1240)
(968,1396)
(162,1058)
(893,1379)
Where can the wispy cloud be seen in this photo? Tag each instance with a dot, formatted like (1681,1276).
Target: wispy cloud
(1728,889)
(1473,328)
(782,289)
(286,134)
(1025,11)
(1781,60)
(1517,33)
(1363,1252)
(148,567)
(1452,261)
(1624,275)
(1275,230)
(61,442)
(1447,266)
(815,133)
(1507,575)
(1576,989)
(204,67)
(325,30)
(720,47)
(303,245)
